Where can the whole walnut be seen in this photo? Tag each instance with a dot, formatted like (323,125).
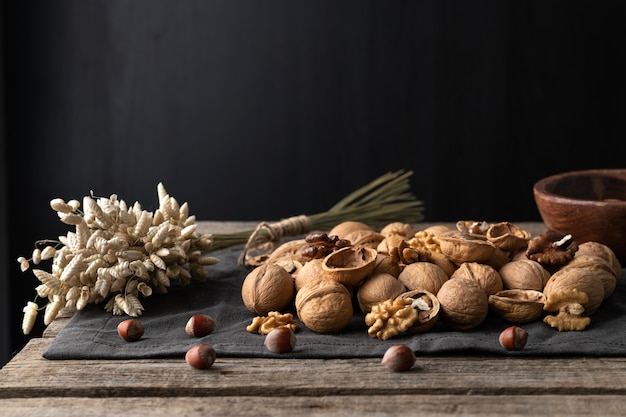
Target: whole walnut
(423,275)
(464,304)
(324,306)
(603,251)
(524,274)
(569,280)
(310,271)
(482,274)
(600,268)
(346,227)
(266,288)
(377,288)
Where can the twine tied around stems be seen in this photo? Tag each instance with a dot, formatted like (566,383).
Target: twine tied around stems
(266,237)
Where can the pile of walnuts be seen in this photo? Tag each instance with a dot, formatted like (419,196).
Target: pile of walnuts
(405,280)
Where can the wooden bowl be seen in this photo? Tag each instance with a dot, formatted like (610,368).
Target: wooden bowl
(590,205)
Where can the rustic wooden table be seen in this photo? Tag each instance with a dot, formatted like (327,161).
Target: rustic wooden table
(437,385)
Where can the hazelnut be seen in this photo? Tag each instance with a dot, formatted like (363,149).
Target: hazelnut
(130,330)
(200,325)
(280,340)
(399,358)
(201,356)
(513,338)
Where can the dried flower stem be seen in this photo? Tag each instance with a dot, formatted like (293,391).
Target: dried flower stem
(386,199)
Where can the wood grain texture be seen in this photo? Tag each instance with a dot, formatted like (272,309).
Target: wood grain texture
(338,406)
(29,375)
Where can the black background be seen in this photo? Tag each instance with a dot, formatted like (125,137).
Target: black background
(260,110)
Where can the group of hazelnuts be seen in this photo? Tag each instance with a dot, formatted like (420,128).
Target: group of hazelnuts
(398,357)
(199,356)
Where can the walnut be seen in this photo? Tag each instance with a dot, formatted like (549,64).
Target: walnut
(405,230)
(274,319)
(570,281)
(551,249)
(350,265)
(288,251)
(378,288)
(484,275)
(364,238)
(324,306)
(601,269)
(428,308)
(310,271)
(472,227)
(524,274)
(266,288)
(344,228)
(443,262)
(391,317)
(426,240)
(320,245)
(465,247)
(464,304)
(569,318)
(423,275)
(385,264)
(507,236)
(517,306)
(399,250)
(603,251)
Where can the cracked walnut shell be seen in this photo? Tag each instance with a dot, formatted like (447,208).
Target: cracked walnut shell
(427,306)
(350,265)
(465,247)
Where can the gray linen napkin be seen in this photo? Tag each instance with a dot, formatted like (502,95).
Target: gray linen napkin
(91,333)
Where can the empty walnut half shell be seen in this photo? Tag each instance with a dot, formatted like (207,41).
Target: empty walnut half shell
(350,265)
(518,306)
(507,236)
(465,247)
(427,306)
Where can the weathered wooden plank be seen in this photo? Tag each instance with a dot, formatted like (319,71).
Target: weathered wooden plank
(340,406)
(29,375)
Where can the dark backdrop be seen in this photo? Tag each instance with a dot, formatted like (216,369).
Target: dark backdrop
(259,110)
